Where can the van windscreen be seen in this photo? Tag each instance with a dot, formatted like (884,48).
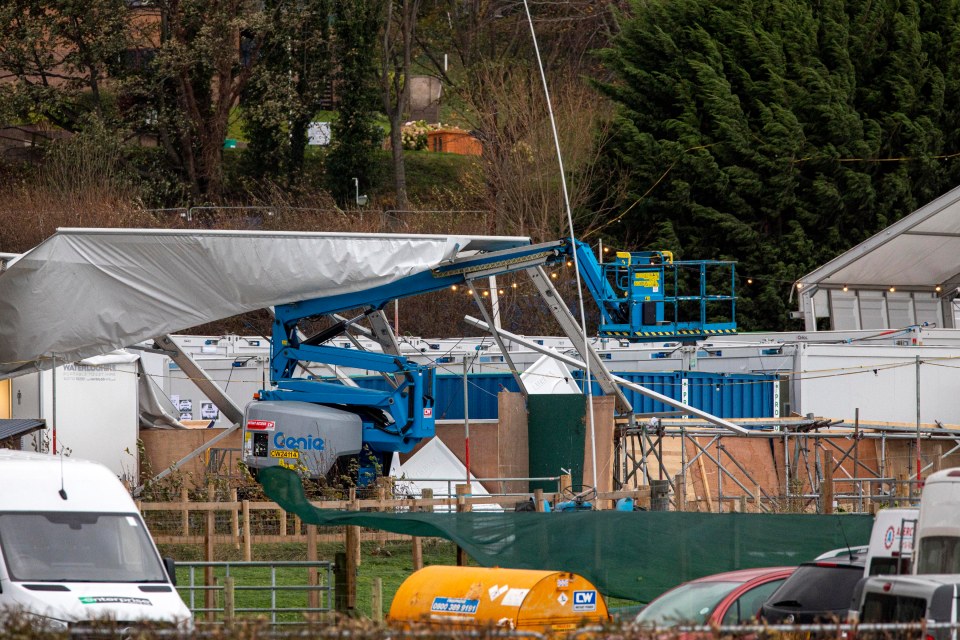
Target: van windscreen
(939,554)
(78,547)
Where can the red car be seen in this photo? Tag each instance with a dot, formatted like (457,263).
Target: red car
(727,598)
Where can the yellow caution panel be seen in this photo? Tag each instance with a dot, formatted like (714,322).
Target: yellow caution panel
(548,601)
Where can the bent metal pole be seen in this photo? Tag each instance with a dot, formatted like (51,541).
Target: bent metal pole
(573,362)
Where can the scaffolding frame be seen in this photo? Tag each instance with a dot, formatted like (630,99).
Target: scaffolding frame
(639,460)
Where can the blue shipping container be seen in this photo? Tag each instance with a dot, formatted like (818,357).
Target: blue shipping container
(723,395)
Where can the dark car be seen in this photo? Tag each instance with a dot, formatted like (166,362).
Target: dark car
(816,592)
(727,598)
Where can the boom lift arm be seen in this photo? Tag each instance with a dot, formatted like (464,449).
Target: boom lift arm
(302,411)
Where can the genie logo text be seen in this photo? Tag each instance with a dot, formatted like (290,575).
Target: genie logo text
(307,443)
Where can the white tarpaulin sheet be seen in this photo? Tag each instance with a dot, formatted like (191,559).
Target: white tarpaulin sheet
(85,292)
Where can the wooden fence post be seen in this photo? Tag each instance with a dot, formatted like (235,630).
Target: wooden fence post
(826,491)
(353,534)
(417,552)
(352,549)
(383,487)
(229,608)
(352,552)
(247,532)
(235,519)
(185,514)
(340,587)
(313,596)
(208,581)
(417,541)
(376,600)
(538,500)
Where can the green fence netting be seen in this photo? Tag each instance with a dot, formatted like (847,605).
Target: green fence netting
(635,555)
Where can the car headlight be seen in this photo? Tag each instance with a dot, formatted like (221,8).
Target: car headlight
(46,623)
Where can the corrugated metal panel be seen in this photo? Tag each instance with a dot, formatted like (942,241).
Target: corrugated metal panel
(669,384)
(19,427)
(731,395)
(724,395)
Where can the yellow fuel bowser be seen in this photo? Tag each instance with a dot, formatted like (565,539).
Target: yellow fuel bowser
(547,601)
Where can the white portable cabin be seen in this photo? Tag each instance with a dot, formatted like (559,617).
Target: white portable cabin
(88,405)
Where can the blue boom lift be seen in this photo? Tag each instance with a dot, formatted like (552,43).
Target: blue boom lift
(308,424)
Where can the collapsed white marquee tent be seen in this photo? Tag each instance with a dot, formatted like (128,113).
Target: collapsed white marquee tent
(86,292)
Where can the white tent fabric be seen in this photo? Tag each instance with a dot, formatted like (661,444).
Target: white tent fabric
(549,376)
(435,467)
(85,292)
(920,250)
(894,279)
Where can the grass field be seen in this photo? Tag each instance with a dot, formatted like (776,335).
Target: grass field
(392,563)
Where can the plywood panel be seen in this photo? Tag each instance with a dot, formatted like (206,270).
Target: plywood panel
(513,459)
(603,407)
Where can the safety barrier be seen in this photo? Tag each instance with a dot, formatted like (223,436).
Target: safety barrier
(296,592)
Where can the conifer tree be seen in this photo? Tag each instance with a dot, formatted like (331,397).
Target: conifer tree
(356,134)
(781,132)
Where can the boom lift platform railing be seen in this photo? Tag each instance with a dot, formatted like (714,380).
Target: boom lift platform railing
(647,295)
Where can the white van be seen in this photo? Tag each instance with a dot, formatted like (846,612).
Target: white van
(927,598)
(891,542)
(74,549)
(937,546)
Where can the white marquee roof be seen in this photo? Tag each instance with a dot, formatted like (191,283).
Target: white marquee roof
(85,292)
(921,250)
